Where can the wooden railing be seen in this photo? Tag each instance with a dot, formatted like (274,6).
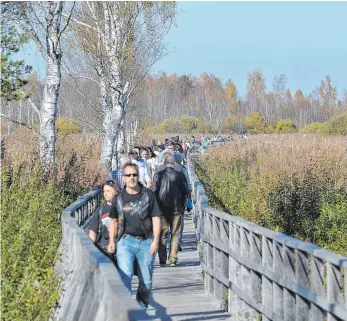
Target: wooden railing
(91,288)
(84,206)
(259,274)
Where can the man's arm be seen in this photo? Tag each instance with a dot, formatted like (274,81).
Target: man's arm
(156,234)
(113,233)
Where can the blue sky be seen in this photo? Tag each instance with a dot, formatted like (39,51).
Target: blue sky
(303,40)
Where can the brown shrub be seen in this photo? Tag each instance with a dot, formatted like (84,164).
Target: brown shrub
(278,181)
(77,158)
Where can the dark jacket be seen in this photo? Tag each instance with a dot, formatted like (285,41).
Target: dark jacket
(171,189)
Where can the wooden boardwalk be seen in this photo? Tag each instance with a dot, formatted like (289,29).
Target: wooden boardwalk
(178,292)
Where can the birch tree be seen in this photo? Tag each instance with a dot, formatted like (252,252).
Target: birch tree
(43,23)
(126,40)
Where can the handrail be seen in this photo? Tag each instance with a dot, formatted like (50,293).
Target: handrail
(91,288)
(263,274)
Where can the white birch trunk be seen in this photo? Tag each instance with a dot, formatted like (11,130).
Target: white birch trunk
(113,122)
(51,88)
(105,103)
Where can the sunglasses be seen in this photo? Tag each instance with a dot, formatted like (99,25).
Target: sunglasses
(129,175)
(110,183)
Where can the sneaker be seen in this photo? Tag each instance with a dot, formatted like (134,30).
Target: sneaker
(179,248)
(173,262)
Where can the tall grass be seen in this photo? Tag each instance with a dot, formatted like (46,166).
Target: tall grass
(30,224)
(295,184)
(77,158)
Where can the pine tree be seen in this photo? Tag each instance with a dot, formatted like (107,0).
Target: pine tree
(14,73)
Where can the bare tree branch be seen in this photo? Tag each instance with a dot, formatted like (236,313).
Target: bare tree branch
(93,127)
(67,21)
(33,106)
(37,18)
(20,123)
(80,22)
(83,95)
(84,77)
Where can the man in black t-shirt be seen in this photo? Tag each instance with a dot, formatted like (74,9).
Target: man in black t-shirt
(137,213)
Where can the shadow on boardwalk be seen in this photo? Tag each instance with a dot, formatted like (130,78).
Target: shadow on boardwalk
(178,292)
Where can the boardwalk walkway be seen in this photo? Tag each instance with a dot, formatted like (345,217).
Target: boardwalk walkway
(178,292)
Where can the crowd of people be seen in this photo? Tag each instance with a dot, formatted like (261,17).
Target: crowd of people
(145,200)
(146,197)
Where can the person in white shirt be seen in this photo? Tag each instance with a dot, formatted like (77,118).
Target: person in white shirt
(144,173)
(152,161)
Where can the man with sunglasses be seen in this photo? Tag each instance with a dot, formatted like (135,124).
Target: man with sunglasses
(137,213)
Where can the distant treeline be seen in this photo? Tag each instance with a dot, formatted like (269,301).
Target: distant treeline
(220,105)
(205,104)
(255,123)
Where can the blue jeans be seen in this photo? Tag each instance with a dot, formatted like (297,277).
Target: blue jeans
(129,248)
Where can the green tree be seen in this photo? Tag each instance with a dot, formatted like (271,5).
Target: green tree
(285,126)
(14,73)
(338,124)
(313,128)
(189,123)
(256,124)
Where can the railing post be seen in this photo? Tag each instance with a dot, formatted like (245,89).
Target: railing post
(334,286)
(278,269)
(217,259)
(302,278)
(317,285)
(235,303)
(224,237)
(267,289)
(248,313)
(255,257)
(209,286)
(289,275)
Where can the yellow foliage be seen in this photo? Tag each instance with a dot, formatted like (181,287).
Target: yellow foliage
(285,126)
(65,125)
(256,124)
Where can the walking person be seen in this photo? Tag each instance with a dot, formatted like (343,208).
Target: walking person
(144,173)
(117,175)
(172,189)
(187,205)
(99,224)
(152,161)
(137,213)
